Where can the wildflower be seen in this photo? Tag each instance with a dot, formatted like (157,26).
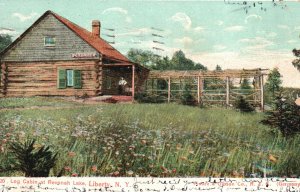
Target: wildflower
(129,172)
(74,175)
(143,141)
(94,168)
(117,152)
(272,158)
(178,146)
(4,140)
(174,170)
(116,173)
(71,154)
(67,168)
(8,134)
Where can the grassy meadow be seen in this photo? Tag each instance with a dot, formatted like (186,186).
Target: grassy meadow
(162,140)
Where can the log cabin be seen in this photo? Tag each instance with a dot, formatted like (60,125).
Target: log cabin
(55,57)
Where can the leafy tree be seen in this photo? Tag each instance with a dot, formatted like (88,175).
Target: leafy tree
(296,62)
(177,62)
(146,58)
(180,62)
(273,84)
(5,40)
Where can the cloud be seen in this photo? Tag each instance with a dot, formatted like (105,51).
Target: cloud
(255,44)
(199,29)
(272,34)
(118,10)
(25,17)
(182,18)
(186,41)
(219,47)
(253,18)
(115,9)
(7,31)
(219,22)
(135,32)
(292,41)
(283,27)
(235,28)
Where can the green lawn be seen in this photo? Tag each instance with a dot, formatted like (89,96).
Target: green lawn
(149,139)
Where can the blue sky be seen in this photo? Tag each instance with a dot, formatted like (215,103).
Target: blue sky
(209,32)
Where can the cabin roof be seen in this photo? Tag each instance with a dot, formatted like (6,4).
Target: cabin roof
(96,42)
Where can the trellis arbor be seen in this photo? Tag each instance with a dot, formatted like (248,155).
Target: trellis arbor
(207,87)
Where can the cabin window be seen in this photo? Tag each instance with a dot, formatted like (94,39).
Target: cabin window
(49,41)
(69,78)
(70,82)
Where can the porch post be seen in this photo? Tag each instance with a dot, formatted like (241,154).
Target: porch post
(132,82)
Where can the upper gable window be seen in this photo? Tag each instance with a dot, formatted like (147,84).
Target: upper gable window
(49,41)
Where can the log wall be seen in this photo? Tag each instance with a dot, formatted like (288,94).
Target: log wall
(40,78)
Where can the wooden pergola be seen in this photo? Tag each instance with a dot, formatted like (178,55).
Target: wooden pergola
(225,93)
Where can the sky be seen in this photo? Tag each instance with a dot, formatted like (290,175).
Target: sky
(230,34)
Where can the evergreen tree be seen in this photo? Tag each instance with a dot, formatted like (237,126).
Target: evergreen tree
(218,68)
(274,82)
(33,162)
(243,106)
(285,116)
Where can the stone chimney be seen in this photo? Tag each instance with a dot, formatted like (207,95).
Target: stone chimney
(96,25)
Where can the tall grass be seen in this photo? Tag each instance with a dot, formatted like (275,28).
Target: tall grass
(153,139)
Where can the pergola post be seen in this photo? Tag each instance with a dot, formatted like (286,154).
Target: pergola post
(132,82)
(262,93)
(227,91)
(169,89)
(198,89)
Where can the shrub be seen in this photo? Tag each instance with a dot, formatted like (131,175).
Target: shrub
(242,105)
(285,117)
(187,98)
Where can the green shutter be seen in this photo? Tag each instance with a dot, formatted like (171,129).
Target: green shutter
(62,79)
(77,79)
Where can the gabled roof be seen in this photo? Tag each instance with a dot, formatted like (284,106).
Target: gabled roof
(98,43)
